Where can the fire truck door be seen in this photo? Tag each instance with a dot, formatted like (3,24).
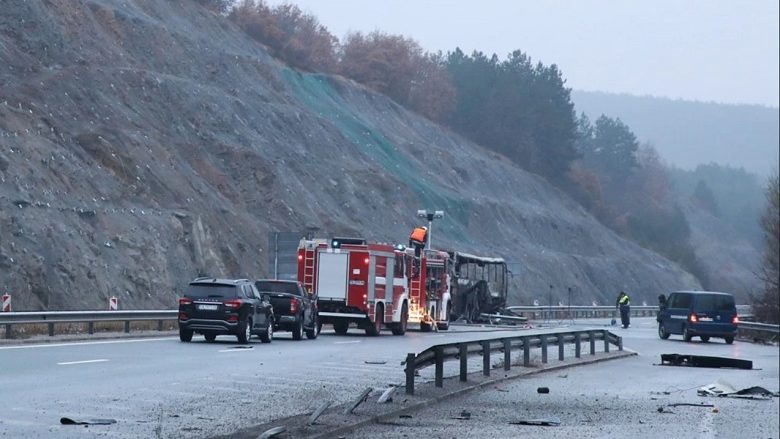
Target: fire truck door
(332,276)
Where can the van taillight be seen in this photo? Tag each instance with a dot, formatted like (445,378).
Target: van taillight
(234,304)
(735,320)
(185,301)
(293,306)
(693,318)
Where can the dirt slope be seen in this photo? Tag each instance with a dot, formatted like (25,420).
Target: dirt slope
(143,142)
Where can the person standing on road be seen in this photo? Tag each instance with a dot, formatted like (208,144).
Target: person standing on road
(624,304)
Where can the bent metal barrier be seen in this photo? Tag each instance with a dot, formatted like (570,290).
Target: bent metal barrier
(437,355)
(51,318)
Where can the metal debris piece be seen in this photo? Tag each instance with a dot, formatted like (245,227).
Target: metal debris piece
(71,421)
(363,396)
(317,413)
(272,432)
(405,416)
(464,415)
(704,361)
(724,389)
(387,395)
(542,390)
(552,421)
(688,404)
(375,362)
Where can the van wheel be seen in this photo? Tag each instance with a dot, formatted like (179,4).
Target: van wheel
(730,339)
(705,338)
(662,331)
(686,335)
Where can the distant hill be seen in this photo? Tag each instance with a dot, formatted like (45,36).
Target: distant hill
(688,133)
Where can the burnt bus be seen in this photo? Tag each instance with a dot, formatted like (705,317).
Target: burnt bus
(478,285)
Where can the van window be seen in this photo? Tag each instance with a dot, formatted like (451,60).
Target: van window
(715,302)
(680,300)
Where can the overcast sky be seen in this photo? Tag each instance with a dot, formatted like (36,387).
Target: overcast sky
(715,50)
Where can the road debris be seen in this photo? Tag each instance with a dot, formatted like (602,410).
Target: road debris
(272,432)
(387,395)
(542,390)
(71,421)
(317,413)
(405,416)
(363,396)
(688,404)
(551,421)
(663,410)
(375,362)
(464,415)
(704,361)
(721,388)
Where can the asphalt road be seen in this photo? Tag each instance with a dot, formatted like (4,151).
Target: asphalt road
(162,388)
(614,399)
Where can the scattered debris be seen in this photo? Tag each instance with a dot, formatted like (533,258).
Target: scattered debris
(552,421)
(272,432)
(375,362)
(703,361)
(70,421)
(688,404)
(242,347)
(317,413)
(464,415)
(501,390)
(363,396)
(542,390)
(387,395)
(663,410)
(563,376)
(724,389)
(405,416)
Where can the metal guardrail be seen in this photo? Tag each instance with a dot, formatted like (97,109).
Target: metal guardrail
(759,331)
(588,312)
(51,318)
(438,354)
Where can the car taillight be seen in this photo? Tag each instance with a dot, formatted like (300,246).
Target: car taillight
(185,301)
(293,306)
(183,316)
(735,320)
(234,304)
(693,318)
(232,318)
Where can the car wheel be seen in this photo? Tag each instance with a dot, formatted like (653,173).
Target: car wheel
(268,336)
(297,333)
(312,333)
(245,332)
(730,339)
(662,331)
(400,327)
(341,328)
(185,335)
(705,338)
(210,337)
(686,334)
(375,327)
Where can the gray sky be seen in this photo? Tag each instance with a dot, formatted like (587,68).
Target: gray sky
(716,50)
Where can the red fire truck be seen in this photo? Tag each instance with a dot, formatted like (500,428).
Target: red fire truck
(375,285)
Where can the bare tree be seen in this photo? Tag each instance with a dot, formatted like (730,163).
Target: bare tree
(767,308)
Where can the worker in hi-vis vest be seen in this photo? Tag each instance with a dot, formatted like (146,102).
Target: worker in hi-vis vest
(624,303)
(418,238)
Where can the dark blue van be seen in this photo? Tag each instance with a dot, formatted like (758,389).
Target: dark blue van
(701,314)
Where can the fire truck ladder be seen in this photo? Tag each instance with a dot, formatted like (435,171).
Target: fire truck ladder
(308,269)
(416,311)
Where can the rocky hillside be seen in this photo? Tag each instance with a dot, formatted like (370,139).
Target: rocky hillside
(144,142)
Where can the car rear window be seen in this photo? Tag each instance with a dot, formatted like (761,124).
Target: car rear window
(277,287)
(215,291)
(715,302)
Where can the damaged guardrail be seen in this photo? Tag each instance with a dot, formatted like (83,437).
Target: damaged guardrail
(438,354)
(50,318)
(589,312)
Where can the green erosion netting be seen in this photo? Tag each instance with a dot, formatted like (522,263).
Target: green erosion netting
(316,93)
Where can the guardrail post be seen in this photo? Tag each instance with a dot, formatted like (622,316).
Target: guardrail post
(439,366)
(159,325)
(91,327)
(127,326)
(526,352)
(8,333)
(560,347)
(51,329)
(577,345)
(620,343)
(410,373)
(606,340)
(544,348)
(463,350)
(507,354)
(592,338)
(486,358)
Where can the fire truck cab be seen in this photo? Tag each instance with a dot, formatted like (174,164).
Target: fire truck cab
(356,282)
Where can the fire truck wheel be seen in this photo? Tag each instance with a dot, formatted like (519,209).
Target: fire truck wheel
(373,329)
(400,327)
(445,325)
(341,327)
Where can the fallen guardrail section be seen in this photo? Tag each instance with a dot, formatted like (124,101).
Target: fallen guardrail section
(438,354)
(51,318)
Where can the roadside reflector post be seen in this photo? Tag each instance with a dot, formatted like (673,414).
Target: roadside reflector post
(410,373)
(113,304)
(6,302)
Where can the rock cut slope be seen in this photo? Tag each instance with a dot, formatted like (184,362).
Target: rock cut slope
(144,142)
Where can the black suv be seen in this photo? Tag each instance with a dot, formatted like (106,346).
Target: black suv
(224,306)
(294,307)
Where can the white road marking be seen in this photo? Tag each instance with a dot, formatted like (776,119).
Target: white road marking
(235,350)
(347,342)
(56,345)
(65,363)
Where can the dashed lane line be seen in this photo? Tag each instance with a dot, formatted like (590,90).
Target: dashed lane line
(68,363)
